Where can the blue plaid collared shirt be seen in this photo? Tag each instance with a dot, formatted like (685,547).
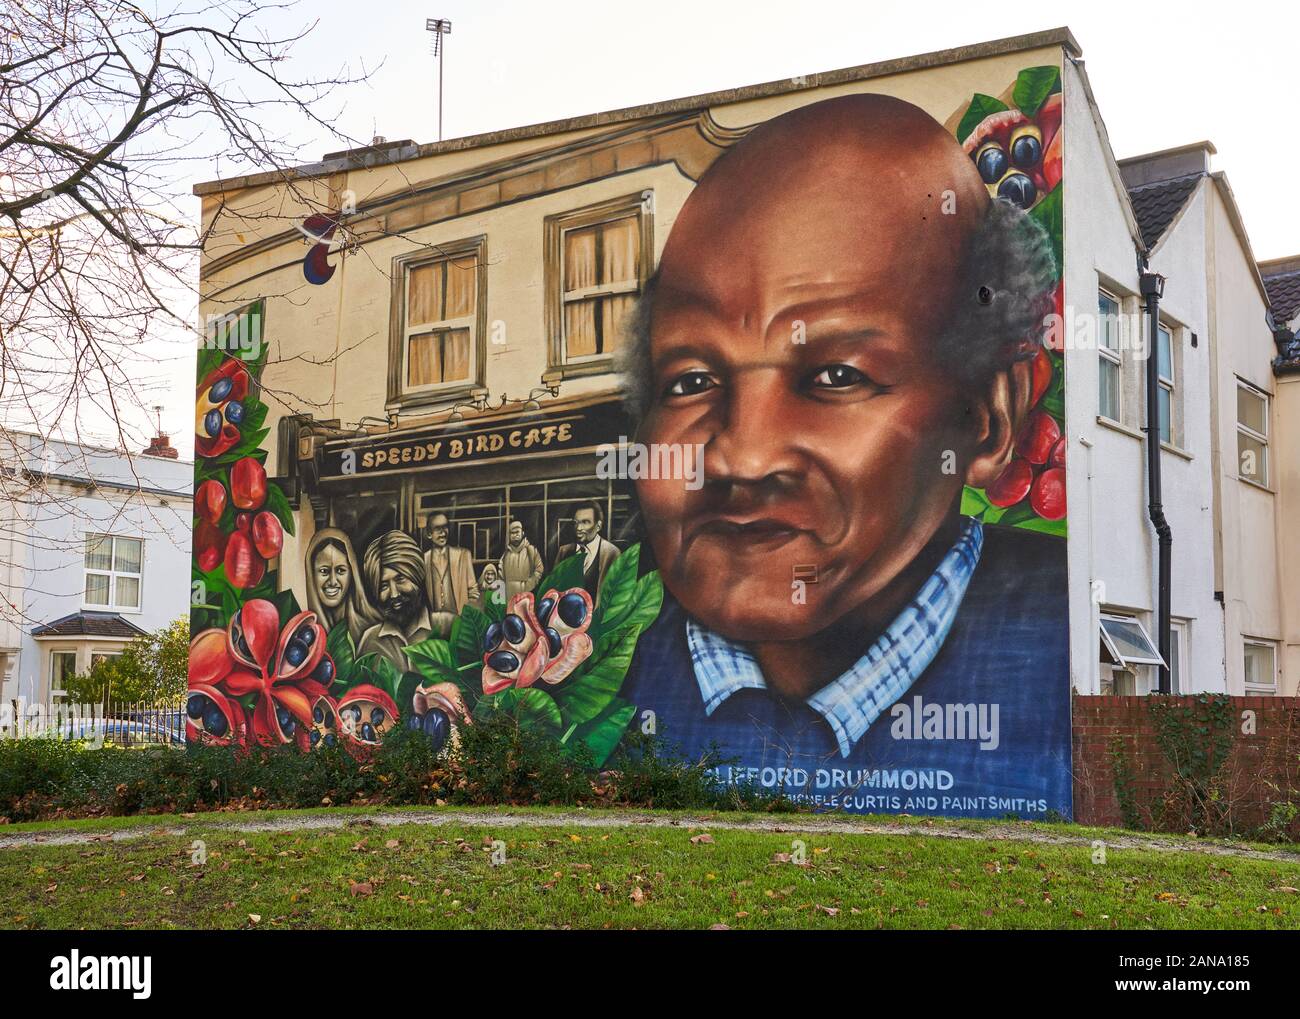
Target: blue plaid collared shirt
(876,680)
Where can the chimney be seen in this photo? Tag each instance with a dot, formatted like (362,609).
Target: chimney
(160,445)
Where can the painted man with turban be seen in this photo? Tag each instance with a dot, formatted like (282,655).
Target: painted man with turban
(395,576)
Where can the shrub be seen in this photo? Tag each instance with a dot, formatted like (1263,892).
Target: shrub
(497,762)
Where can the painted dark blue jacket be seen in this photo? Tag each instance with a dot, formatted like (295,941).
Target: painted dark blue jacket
(1008,646)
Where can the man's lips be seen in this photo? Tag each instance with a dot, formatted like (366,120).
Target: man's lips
(763,532)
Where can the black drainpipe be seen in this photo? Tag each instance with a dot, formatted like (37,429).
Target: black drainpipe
(1152,287)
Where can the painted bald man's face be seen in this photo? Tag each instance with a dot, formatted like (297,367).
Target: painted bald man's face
(792,334)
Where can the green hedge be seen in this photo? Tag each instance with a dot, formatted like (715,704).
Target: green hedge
(497,762)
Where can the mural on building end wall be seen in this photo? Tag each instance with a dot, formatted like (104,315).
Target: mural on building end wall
(818,526)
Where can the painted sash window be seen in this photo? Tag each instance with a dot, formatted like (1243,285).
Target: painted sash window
(1252,434)
(597,263)
(113,567)
(441,299)
(438,323)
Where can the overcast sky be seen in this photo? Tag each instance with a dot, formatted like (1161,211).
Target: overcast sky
(1164,74)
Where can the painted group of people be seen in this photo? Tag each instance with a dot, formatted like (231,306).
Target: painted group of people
(396,594)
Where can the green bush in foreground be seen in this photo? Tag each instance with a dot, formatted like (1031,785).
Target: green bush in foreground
(496,762)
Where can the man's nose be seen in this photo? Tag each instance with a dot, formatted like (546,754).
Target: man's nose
(755,438)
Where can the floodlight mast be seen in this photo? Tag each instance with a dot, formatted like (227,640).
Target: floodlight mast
(439,27)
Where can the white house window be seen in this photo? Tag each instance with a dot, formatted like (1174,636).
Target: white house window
(441,315)
(113,571)
(63,666)
(1108,356)
(1179,662)
(1129,657)
(1167,384)
(1252,434)
(1260,660)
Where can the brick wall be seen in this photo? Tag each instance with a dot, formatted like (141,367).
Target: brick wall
(1261,769)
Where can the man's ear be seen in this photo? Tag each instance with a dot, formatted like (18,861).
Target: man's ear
(999,412)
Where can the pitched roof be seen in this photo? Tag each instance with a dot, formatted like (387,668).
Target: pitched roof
(1283,294)
(1156,204)
(90,624)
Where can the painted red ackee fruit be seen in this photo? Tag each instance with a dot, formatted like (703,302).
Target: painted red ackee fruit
(1011,485)
(226,384)
(1041,375)
(209,546)
(1057,457)
(366,713)
(545,640)
(210,501)
(247,484)
(1038,436)
(268,535)
(1047,497)
(285,668)
(244,567)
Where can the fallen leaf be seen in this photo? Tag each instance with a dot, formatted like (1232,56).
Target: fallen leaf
(702,840)
(361,889)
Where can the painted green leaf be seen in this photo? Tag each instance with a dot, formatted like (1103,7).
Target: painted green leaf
(433,659)
(1058,528)
(278,503)
(286,603)
(531,708)
(618,589)
(467,631)
(1049,215)
(338,643)
(567,573)
(598,680)
(980,107)
(602,734)
(1033,86)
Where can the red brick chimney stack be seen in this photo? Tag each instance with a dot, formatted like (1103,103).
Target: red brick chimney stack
(160,445)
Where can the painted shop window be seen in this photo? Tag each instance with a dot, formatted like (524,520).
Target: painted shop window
(1108,354)
(1166,383)
(1252,434)
(113,571)
(437,330)
(1259,658)
(597,261)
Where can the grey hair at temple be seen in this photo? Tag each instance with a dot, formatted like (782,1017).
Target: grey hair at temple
(999,313)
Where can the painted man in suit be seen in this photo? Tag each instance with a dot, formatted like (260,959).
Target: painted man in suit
(841,317)
(449,576)
(597,553)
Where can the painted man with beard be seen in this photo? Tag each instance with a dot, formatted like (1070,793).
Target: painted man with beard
(394,572)
(843,318)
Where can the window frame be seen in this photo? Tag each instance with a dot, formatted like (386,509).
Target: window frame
(1260,689)
(1246,430)
(55,684)
(1168,383)
(400,395)
(1111,355)
(112,605)
(640,204)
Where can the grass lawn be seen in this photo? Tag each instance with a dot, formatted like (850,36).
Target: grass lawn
(413,875)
